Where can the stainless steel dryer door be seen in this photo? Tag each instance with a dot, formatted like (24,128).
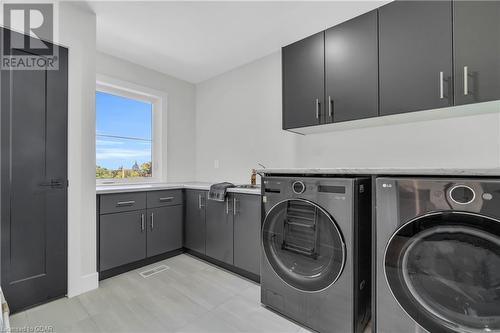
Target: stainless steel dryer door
(303,245)
(444,270)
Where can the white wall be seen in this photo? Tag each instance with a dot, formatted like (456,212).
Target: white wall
(238,123)
(246,104)
(77,31)
(179,143)
(470,141)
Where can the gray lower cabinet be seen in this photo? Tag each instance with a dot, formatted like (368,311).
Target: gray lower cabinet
(247,225)
(194,222)
(131,230)
(164,229)
(138,225)
(122,238)
(227,231)
(219,234)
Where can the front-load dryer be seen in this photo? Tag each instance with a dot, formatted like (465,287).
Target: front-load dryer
(438,255)
(315,266)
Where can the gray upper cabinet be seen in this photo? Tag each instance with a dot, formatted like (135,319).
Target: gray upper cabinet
(351,67)
(303,73)
(219,234)
(247,220)
(476,35)
(405,56)
(415,45)
(122,238)
(194,224)
(164,229)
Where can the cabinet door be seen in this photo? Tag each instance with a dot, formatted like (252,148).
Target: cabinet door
(164,229)
(194,226)
(219,238)
(351,69)
(247,221)
(122,238)
(303,82)
(33,179)
(477,51)
(415,45)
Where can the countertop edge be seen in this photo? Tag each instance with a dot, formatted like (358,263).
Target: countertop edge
(159,187)
(485,172)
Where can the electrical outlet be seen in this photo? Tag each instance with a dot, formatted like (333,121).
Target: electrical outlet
(216,164)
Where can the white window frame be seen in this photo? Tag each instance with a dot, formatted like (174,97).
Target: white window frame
(158,102)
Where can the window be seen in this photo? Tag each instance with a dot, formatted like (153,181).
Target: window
(124,136)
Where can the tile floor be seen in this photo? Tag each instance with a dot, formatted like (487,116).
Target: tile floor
(190,296)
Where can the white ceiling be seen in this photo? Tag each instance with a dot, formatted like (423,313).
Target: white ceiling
(195,41)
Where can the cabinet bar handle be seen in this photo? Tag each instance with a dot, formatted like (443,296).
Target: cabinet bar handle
(200,201)
(466,80)
(330,107)
(142,222)
(227,206)
(441,85)
(152,221)
(167,199)
(125,203)
(235,201)
(317,108)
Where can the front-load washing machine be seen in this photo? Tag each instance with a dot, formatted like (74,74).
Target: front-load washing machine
(438,255)
(315,266)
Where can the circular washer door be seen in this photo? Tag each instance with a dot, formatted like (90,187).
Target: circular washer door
(444,271)
(303,245)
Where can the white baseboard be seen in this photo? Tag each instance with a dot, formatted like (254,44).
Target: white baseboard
(85,283)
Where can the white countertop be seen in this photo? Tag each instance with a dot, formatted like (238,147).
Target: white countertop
(122,188)
(493,172)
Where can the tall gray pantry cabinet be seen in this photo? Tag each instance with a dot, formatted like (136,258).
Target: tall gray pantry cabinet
(33,200)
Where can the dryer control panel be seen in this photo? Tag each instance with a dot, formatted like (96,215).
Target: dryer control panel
(418,196)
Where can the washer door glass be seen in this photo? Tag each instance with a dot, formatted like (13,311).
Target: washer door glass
(444,270)
(303,245)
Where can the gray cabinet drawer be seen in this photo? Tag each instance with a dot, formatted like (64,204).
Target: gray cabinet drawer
(164,198)
(122,202)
